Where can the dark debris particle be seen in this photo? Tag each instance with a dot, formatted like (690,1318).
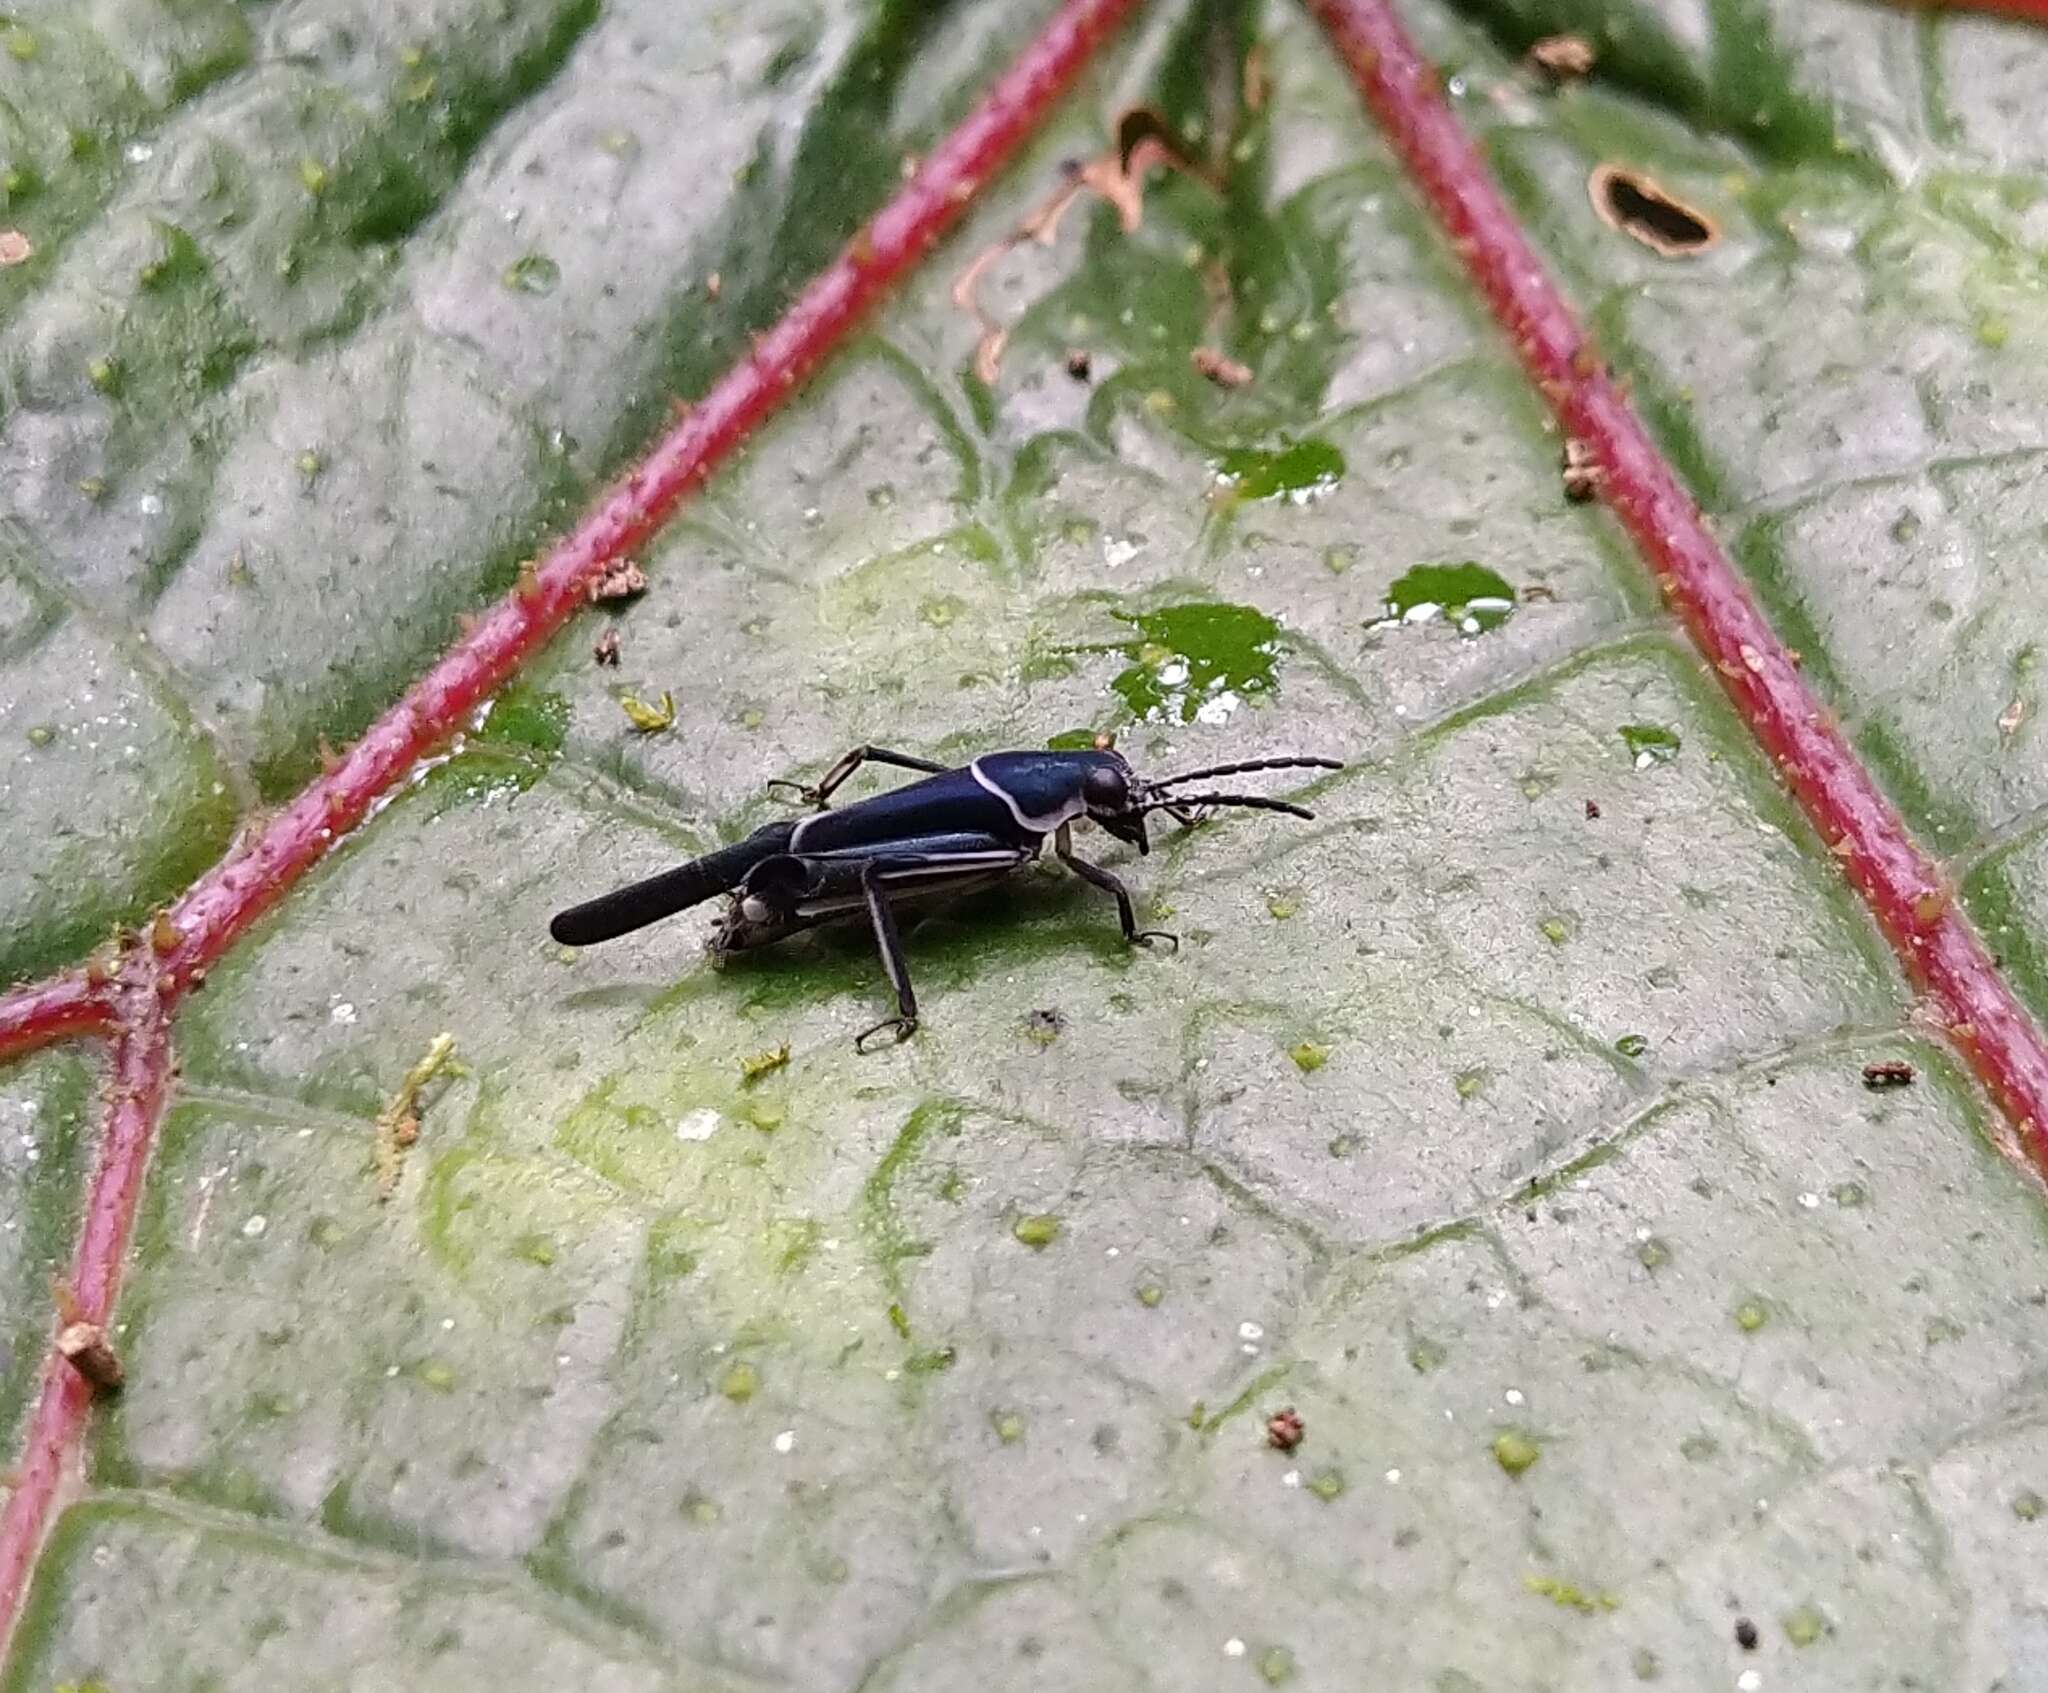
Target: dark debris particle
(1592,811)
(1643,209)
(1888,1073)
(1079,364)
(1745,1634)
(1285,1429)
(607,649)
(1044,1026)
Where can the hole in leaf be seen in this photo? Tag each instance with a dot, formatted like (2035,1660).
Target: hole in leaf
(1641,207)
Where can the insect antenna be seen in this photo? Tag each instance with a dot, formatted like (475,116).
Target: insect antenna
(1250,765)
(1247,802)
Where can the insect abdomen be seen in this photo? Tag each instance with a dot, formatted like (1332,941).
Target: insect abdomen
(626,909)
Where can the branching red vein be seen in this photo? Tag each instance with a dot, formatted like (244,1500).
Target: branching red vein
(1904,890)
(218,910)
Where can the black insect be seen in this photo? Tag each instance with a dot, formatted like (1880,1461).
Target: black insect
(954,831)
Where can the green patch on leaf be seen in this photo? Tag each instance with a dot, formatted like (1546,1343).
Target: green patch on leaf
(1197,663)
(1298,472)
(1471,598)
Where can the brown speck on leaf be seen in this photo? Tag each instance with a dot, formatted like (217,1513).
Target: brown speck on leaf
(624,580)
(1592,811)
(527,583)
(15,248)
(1562,58)
(1285,1429)
(163,934)
(1888,1073)
(1583,474)
(1643,209)
(607,649)
(398,1124)
(330,760)
(1931,905)
(861,249)
(714,285)
(1220,368)
(2011,718)
(1079,365)
(1745,1634)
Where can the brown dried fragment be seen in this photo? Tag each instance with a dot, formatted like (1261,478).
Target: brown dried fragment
(1257,83)
(398,1124)
(1079,365)
(1644,210)
(163,934)
(1143,140)
(2010,719)
(527,583)
(1285,1429)
(1888,1073)
(606,651)
(1220,368)
(15,249)
(624,580)
(82,1343)
(84,1347)
(330,760)
(1592,811)
(1584,475)
(1562,58)
(714,285)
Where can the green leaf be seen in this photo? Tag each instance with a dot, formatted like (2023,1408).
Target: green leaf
(329,317)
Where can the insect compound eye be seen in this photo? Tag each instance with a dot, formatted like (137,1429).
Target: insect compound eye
(1104,790)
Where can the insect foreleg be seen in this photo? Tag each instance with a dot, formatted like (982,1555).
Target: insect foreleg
(1063,845)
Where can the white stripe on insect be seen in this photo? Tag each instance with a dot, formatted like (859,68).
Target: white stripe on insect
(1074,807)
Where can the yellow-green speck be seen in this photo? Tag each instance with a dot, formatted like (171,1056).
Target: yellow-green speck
(437,1375)
(1309,1056)
(1276,1666)
(1327,1485)
(309,464)
(1470,1083)
(702,1511)
(1556,930)
(1751,1315)
(1805,1625)
(1008,1425)
(1283,906)
(41,735)
(648,719)
(1514,1451)
(20,44)
(2028,1505)
(104,375)
(1571,1597)
(1150,1294)
(740,1382)
(1037,1231)
(535,1248)
(754,1067)
(1652,1253)
(312,176)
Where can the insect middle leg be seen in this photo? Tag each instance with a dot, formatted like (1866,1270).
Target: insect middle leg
(822,791)
(890,945)
(1063,846)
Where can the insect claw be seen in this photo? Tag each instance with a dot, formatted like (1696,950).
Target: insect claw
(904,1027)
(1145,937)
(805,796)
